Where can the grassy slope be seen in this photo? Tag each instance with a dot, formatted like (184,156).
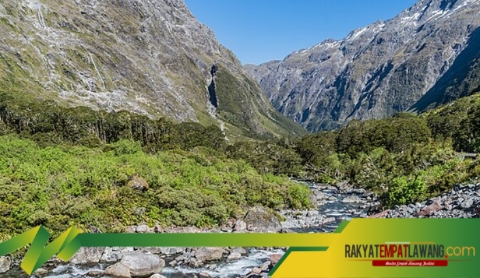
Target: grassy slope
(243,105)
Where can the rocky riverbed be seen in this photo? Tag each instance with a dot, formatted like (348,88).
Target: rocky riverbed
(334,204)
(461,202)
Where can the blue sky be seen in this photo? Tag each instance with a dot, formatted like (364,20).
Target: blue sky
(258,31)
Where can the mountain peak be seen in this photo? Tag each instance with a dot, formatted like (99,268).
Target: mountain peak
(375,71)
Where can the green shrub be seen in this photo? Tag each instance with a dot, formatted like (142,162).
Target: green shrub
(299,196)
(402,191)
(126,147)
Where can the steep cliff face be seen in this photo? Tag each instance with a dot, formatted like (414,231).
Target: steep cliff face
(151,57)
(375,71)
(461,79)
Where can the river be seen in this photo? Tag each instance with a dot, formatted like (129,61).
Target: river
(333,206)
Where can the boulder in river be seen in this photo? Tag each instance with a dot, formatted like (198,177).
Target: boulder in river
(118,270)
(157,276)
(203,275)
(258,219)
(206,254)
(256,270)
(170,251)
(5,264)
(240,250)
(141,264)
(274,258)
(115,254)
(88,256)
(234,257)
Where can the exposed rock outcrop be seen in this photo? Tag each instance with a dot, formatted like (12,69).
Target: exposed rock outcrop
(381,69)
(150,57)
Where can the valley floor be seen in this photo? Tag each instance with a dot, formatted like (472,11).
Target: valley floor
(333,205)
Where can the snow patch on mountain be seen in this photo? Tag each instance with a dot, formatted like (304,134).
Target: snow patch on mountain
(357,33)
(413,19)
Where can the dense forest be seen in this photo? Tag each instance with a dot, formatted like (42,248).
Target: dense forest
(404,159)
(77,166)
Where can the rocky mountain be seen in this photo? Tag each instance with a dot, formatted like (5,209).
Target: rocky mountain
(461,79)
(425,56)
(150,57)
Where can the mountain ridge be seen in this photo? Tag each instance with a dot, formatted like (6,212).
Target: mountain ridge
(375,71)
(149,57)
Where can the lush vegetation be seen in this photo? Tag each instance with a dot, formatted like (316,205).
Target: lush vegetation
(50,124)
(119,185)
(404,159)
(75,166)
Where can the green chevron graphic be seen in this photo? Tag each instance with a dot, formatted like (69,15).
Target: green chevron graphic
(358,232)
(70,241)
(39,252)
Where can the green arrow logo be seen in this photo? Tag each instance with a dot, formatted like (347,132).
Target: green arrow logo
(65,246)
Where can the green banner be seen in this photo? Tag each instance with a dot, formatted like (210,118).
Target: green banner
(358,248)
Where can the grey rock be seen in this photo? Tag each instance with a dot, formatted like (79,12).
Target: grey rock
(234,256)
(240,225)
(467,204)
(60,269)
(142,229)
(131,229)
(195,262)
(206,254)
(329,220)
(239,250)
(141,264)
(157,276)
(114,254)
(212,266)
(181,258)
(95,273)
(275,258)
(380,214)
(203,275)
(352,199)
(118,270)
(169,251)
(5,264)
(266,265)
(88,255)
(173,263)
(151,250)
(260,219)
(41,272)
(430,209)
